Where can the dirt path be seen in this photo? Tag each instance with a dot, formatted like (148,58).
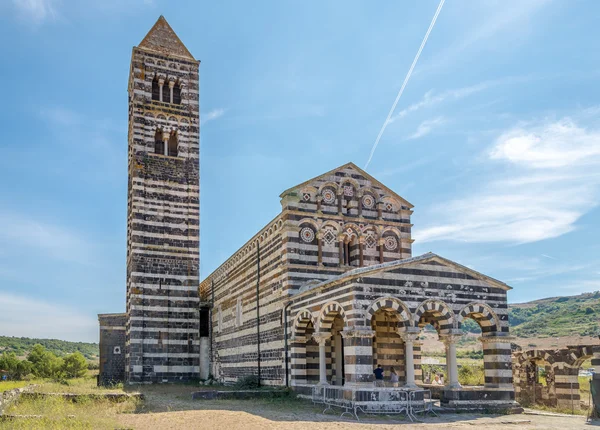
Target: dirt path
(176,410)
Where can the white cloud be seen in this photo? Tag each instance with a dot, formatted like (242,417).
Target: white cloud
(553,169)
(28,317)
(212,115)
(556,145)
(20,232)
(36,11)
(426,127)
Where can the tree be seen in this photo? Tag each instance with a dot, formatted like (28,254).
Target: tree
(44,364)
(23,369)
(74,365)
(9,362)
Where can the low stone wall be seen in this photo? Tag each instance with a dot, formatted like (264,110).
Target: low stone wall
(239,395)
(481,399)
(113,397)
(9,396)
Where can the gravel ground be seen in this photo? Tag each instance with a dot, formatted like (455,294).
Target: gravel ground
(166,408)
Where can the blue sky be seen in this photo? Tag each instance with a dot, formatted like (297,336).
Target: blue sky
(496,139)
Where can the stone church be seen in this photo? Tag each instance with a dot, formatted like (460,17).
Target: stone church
(321,295)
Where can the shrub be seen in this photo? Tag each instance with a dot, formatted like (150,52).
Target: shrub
(248,382)
(44,364)
(74,365)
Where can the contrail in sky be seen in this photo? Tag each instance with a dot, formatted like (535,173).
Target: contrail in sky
(437,12)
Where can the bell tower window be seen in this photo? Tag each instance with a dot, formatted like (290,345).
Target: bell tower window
(177,94)
(173,145)
(155,89)
(159,144)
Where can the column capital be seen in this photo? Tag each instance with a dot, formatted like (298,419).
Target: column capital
(321,338)
(346,333)
(409,333)
(171,83)
(450,338)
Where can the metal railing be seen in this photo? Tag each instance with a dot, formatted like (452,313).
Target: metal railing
(396,401)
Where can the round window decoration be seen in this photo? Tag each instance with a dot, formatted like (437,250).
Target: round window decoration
(368,202)
(329,196)
(390,243)
(307,234)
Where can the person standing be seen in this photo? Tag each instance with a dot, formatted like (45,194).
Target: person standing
(393,377)
(378,376)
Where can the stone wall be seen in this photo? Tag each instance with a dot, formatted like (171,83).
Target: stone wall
(112,348)
(9,396)
(561,388)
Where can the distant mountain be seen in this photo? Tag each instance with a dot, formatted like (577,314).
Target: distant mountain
(22,345)
(556,316)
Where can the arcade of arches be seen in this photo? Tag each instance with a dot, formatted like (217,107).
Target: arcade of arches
(343,328)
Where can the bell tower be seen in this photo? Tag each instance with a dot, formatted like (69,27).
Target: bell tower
(163,208)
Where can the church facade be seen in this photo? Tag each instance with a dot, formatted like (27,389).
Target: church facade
(325,292)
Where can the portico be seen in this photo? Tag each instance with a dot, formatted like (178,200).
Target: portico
(380,313)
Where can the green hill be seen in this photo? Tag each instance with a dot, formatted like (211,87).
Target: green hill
(22,345)
(556,316)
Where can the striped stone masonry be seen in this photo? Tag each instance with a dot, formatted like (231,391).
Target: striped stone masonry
(334,279)
(561,368)
(163,212)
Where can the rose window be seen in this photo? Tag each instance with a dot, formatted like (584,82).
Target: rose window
(329,196)
(368,202)
(307,234)
(390,243)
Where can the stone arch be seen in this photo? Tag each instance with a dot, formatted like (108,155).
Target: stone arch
(328,184)
(369,190)
(353,227)
(328,313)
(302,321)
(348,179)
(578,355)
(333,224)
(535,354)
(444,317)
(393,230)
(389,303)
(312,222)
(482,314)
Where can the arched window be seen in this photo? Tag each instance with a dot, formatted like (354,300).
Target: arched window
(166,92)
(159,145)
(173,145)
(177,94)
(155,89)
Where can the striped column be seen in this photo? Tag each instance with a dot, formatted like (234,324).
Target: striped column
(358,357)
(298,360)
(497,361)
(409,336)
(566,383)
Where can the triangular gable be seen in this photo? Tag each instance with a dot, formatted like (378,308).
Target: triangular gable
(430,257)
(161,38)
(358,170)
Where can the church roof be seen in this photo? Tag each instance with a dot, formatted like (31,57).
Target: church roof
(360,171)
(161,38)
(430,256)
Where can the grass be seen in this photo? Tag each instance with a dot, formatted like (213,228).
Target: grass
(58,413)
(9,385)
(85,385)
